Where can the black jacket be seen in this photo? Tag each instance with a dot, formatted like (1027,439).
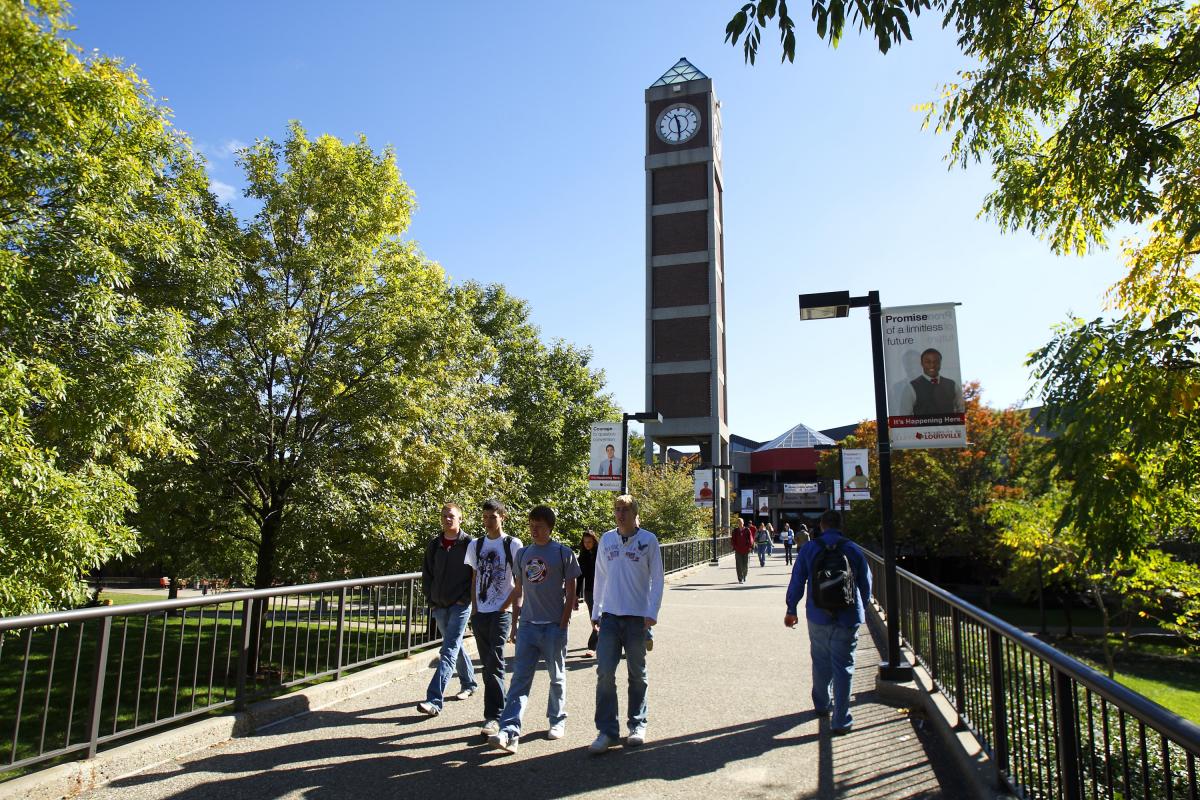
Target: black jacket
(445,576)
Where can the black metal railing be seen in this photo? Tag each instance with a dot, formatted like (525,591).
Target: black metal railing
(73,681)
(1054,727)
(678,556)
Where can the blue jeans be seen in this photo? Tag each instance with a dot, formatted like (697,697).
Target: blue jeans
(832,648)
(616,634)
(762,554)
(452,622)
(491,632)
(537,640)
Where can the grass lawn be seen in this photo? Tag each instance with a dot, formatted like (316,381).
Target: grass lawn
(1173,683)
(120,599)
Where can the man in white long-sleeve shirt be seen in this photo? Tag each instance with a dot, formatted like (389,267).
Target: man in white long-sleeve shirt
(627,595)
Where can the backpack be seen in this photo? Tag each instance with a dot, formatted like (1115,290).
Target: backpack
(505,544)
(833,585)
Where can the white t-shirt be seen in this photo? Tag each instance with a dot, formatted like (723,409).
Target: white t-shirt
(493,578)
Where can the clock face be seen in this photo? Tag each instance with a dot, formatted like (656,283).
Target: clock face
(678,123)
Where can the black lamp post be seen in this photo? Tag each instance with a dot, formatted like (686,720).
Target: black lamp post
(717,479)
(831,305)
(641,416)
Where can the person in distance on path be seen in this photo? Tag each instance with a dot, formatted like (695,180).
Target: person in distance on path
(628,595)
(832,634)
(743,542)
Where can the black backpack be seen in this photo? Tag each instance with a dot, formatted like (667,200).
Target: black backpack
(832,579)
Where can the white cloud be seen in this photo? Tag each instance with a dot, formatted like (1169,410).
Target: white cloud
(224,192)
(230,147)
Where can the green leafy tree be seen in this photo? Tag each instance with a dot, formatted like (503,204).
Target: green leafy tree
(667,501)
(106,251)
(337,393)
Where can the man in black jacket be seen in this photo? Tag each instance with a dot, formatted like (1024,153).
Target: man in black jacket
(446,579)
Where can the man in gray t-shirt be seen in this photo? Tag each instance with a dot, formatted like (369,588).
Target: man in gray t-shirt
(545,575)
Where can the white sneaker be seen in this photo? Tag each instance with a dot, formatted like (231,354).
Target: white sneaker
(504,741)
(602,743)
(465,694)
(637,737)
(489,728)
(557,731)
(428,708)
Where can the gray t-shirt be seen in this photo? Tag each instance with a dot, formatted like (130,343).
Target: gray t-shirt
(541,571)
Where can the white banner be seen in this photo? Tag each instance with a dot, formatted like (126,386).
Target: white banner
(764,506)
(606,457)
(801,488)
(924,379)
(748,502)
(855,474)
(704,487)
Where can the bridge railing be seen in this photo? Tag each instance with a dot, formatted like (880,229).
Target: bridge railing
(74,681)
(1054,727)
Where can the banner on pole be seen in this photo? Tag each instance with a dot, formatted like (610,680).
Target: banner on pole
(856,474)
(607,460)
(703,487)
(924,378)
(748,502)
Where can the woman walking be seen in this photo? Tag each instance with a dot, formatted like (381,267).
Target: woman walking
(763,540)
(583,584)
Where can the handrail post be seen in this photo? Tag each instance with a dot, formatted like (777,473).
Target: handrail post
(933,643)
(999,702)
(98,676)
(239,701)
(956,650)
(408,616)
(1068,736)
(341,627)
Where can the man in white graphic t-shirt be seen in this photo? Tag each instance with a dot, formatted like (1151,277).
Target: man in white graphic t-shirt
(492,558)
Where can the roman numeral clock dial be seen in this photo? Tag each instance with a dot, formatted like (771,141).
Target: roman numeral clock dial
(678,123)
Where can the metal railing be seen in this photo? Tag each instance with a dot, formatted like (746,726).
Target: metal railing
(73,681)
(1054,727)
(678,556)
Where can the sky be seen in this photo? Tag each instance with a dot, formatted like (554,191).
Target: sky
(520,126)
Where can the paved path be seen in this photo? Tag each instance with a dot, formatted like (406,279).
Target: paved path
(729,716)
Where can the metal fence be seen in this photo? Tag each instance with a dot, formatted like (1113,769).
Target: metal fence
(1054,727)
(74,681)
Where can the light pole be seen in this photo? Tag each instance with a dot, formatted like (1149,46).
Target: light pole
(641,416)
(831,305)
(717,498)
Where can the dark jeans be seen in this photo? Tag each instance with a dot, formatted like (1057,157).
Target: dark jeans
(591,645)
(491,632)
(741,562)
(787,551)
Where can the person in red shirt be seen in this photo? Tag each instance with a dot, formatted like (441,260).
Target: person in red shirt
(742,539)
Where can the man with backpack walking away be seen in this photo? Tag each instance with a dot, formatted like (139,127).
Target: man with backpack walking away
(834,572)
(492,558)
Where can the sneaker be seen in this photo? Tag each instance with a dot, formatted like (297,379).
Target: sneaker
(841,731)
(429,709)
(489,728)
(465,694)
(636,738)
(602,743)
(557,731)
(503,740)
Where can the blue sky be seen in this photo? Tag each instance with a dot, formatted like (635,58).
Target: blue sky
(520,127)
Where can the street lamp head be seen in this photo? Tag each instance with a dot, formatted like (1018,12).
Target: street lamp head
(645,416)
(824,305)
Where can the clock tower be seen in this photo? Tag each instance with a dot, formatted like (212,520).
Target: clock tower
(685,270)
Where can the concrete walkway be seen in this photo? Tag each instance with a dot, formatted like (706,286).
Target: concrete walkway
(729,716)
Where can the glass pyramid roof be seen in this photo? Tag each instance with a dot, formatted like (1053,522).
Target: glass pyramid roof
(798,437)
(682,71)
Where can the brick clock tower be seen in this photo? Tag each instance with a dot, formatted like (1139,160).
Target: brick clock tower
(685,270)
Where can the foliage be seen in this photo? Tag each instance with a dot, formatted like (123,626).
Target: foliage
(337,393)
(941,496)
(551,396)
(667,502)
(105,250)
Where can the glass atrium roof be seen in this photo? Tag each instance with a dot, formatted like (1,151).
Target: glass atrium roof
(682,71)
(798,437)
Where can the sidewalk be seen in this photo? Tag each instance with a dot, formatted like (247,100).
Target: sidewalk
(729,717)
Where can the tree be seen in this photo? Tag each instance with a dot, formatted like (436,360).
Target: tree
(336,393)
(667,501)
(551,396)
(941,496)
(105,252)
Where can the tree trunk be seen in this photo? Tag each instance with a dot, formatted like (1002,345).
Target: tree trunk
(1108,654)
(264,576)
(172,587)
(1066,605)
